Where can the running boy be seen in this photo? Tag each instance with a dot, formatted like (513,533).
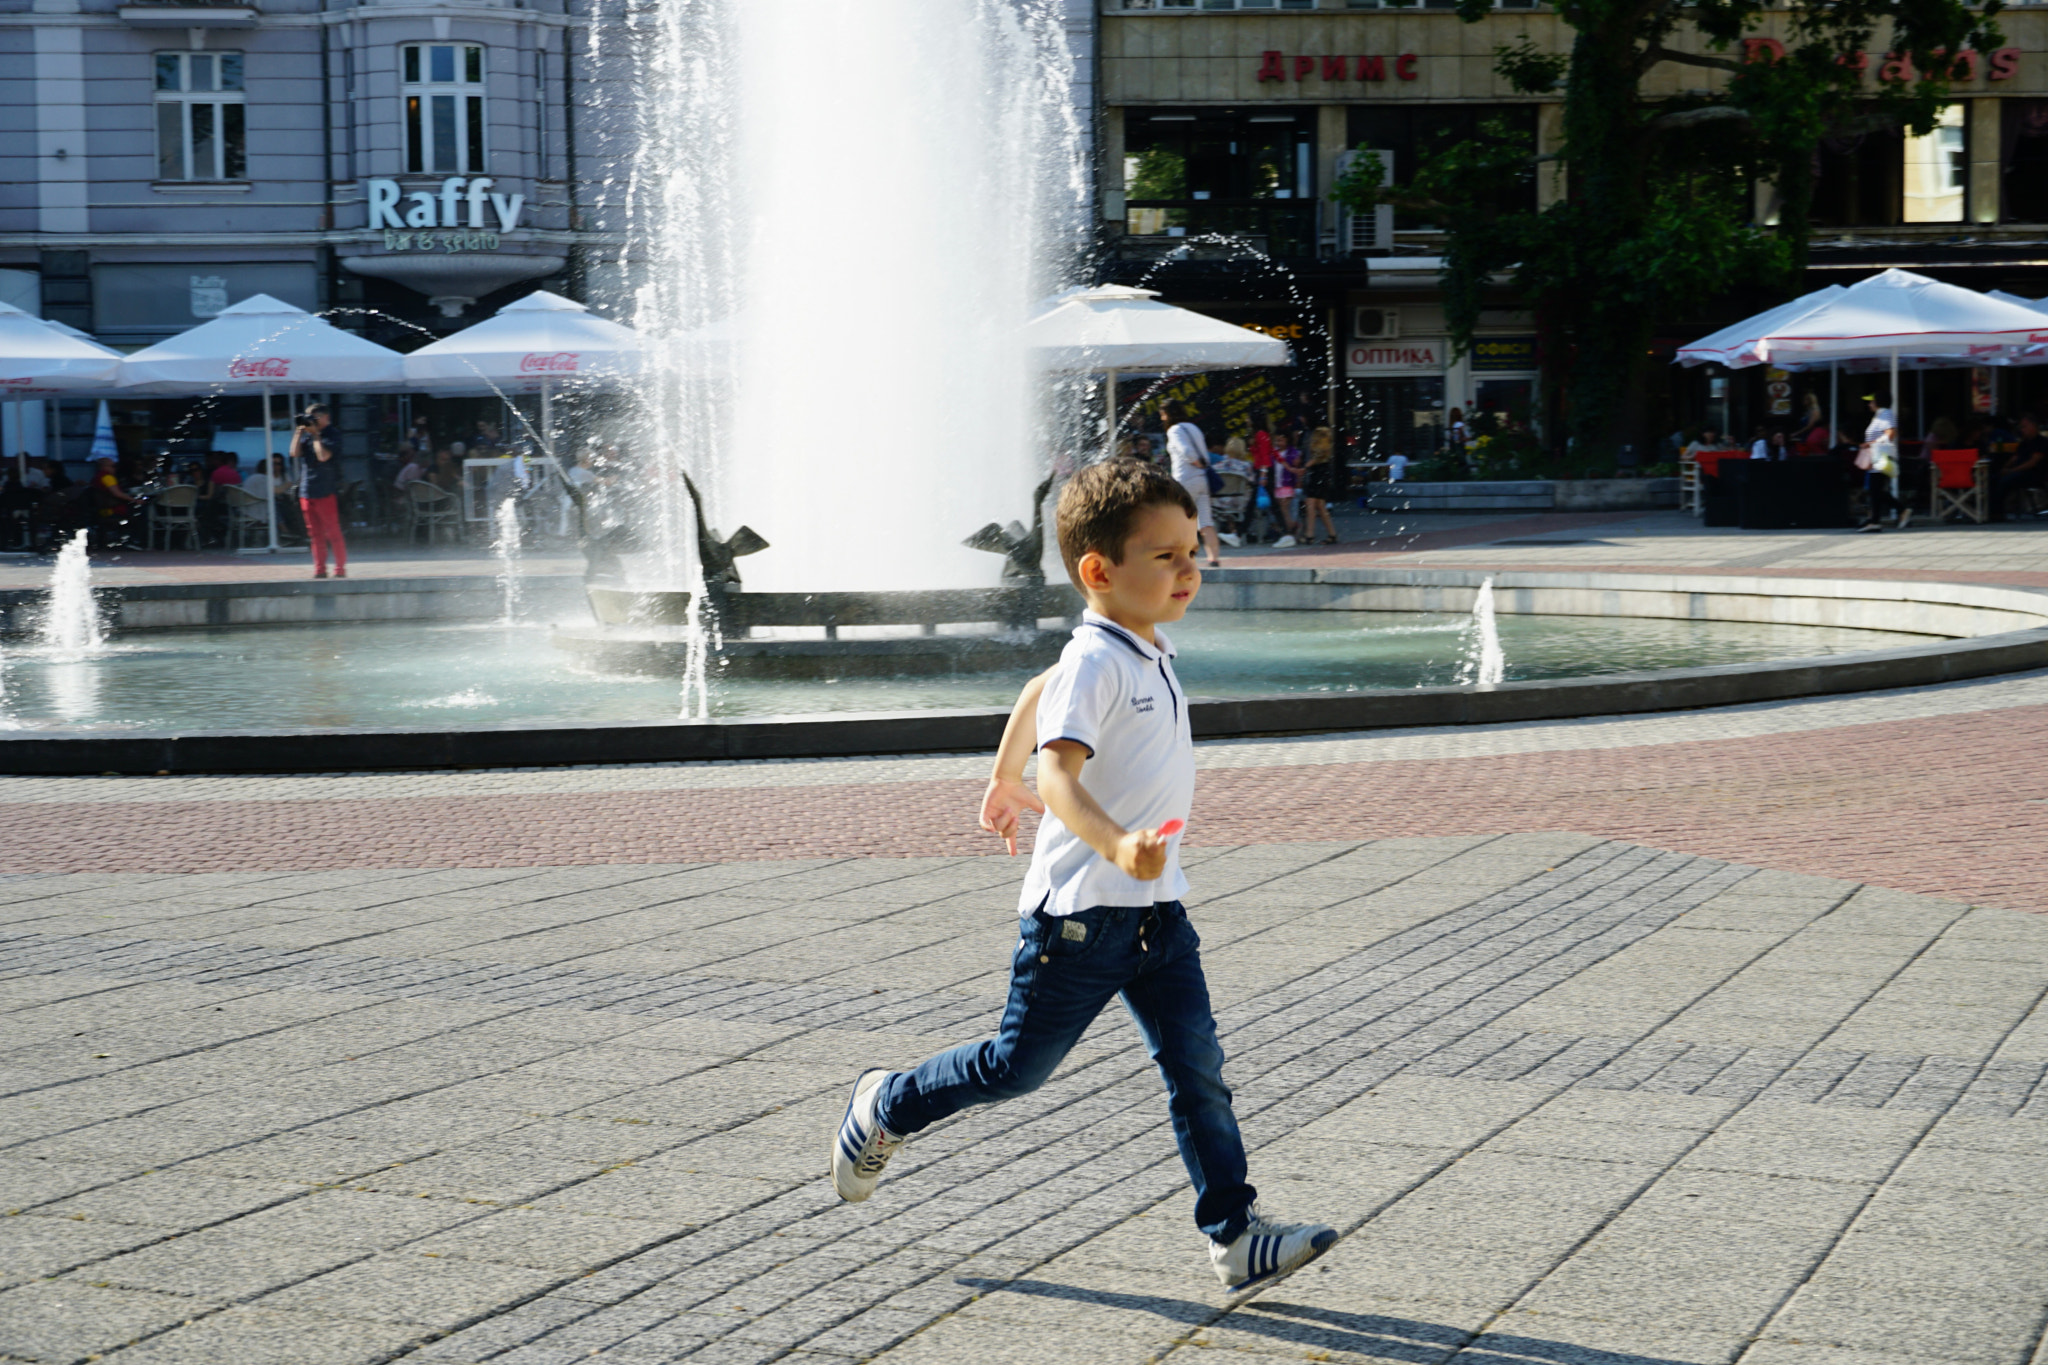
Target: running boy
(1101,905)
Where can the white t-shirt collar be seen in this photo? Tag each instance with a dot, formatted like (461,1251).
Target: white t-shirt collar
(1163,649)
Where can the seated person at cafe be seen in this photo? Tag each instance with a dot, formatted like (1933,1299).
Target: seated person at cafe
(274,485)
(2026,467)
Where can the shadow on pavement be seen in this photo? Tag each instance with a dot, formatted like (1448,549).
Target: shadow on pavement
(1372,1335)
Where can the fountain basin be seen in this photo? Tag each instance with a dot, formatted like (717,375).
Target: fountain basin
(766,634)
(2002,630)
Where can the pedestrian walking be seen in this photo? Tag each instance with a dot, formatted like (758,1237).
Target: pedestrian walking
(1101,905)
(1189,453)
(1319,485)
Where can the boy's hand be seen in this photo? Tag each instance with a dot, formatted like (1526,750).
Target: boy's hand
(1141,854)
(1002,803)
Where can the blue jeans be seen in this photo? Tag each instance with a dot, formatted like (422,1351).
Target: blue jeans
(1058,984)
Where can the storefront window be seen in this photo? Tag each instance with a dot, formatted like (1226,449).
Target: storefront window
(2023,161)
(1249,174)
(444,108)
(1414,133)
(1936,171)
(201,127)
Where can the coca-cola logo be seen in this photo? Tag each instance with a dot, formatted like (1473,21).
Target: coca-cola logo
(275,367)
(561,362)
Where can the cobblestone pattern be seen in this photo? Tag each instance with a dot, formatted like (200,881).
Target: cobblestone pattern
(1409,1002)
(197,1171)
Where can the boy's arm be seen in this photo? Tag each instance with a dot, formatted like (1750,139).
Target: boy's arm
(1007,797)
(1139,853)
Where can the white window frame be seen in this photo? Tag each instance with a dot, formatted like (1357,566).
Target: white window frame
(469,111)
(182,107)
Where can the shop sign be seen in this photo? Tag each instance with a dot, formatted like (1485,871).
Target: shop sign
(1397,357)
(1501,355)
(209,295)
(1778,388)
(1896,66)
(442,241)
(1275,65)
(444,208)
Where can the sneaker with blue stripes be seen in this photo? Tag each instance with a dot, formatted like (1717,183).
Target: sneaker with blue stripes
(1266,1249)
(863,1147)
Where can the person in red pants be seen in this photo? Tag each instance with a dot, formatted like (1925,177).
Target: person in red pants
(319,487)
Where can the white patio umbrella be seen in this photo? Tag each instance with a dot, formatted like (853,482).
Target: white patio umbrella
(261,345)
(1113,327)
(1897,315)
(40,358)
(1897,312)
(35,354)
(534,343)
(1732,345)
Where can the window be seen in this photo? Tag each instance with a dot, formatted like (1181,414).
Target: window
(1192,172)
(1937,170)
(1226,4)
(2024,160)
(443,88)
(200,123)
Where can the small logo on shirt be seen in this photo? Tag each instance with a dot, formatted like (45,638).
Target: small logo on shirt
(1141,704)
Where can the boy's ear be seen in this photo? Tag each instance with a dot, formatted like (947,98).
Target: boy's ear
(1093,570)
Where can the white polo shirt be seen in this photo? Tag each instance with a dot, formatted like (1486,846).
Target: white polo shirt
(1116,694)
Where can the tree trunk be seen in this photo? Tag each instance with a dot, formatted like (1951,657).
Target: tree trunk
(1608,330)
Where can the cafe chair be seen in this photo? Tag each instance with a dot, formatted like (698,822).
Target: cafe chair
(248,522)
(173,512)
(432,508)
(1961,484)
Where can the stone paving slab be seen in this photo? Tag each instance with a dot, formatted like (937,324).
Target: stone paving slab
(1571,1100)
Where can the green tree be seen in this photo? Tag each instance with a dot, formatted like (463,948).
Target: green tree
(1657,212)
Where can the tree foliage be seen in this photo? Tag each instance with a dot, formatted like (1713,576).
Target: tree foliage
(1657,215)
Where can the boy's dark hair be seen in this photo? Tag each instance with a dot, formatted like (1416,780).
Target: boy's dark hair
(1100,505)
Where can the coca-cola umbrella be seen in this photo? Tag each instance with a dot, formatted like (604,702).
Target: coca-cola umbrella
(40,358)
(261,345)
(534,343)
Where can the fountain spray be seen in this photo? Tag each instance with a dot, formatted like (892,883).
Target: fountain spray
(71,620)
(506,544)
(1485,663)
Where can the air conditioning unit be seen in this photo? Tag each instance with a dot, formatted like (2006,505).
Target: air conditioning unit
(1361,234)
(1375,324)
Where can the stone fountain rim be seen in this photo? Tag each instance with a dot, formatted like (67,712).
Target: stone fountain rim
(511,744)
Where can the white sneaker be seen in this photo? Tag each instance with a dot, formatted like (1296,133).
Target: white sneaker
(1285,543)
(863,1147)
(1230,538)
(1905,518)
(1267,1249)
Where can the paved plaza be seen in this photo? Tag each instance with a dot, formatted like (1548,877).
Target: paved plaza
(1660,1040)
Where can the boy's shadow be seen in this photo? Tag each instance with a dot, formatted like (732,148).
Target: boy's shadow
(1367,1334)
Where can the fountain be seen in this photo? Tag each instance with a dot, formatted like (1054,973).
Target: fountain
(857,388)
(1485,664)
(505,543)
(71,626)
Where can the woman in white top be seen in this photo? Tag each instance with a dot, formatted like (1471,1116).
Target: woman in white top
(1190,456)
(1880,475)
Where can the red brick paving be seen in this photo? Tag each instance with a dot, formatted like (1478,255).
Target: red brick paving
(1952,806)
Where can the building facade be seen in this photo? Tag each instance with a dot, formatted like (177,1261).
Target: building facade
(416,161)
(1231,119)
